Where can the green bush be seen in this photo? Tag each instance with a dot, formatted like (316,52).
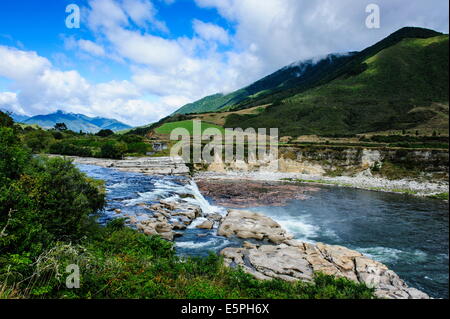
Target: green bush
(6,120)
(113,149)
(138,148)
(105,133)
(13,157)
(67,148)
(51,200)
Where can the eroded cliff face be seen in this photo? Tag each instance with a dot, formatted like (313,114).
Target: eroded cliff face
(320,161)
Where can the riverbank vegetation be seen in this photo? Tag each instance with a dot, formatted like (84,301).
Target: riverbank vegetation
(47,223)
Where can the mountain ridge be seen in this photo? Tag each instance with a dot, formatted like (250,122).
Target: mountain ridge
(284,80)
(77,122)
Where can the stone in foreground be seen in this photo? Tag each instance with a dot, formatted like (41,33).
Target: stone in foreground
(294,260)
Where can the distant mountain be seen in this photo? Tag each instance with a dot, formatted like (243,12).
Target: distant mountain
(400,82)
(77,122)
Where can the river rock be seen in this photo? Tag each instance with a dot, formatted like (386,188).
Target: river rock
(133,220)
(179,226)
(294,260)
(168,216)
(207,224)
(249,225)
(215,217)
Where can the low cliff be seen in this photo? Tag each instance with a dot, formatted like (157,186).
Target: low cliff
(349,161)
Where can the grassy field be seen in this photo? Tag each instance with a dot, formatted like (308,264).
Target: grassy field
(167,128)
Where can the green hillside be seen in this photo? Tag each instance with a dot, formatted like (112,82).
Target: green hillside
(208,104)
(297,75)
(392,89)
(300,76)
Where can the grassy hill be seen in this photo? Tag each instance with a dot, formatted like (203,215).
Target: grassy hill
(300,76)
(396,88)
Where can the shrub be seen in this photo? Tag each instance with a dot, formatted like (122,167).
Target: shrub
(105,133)
(51,200)
(13,157)
(113,149)
(6,120)
(67,148)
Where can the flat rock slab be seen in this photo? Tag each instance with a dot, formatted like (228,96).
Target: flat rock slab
(257,193)
(250,225)
(143,165)
(294,260)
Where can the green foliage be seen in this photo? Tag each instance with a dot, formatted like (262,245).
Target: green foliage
(6,120)
(397,171)
(85,145)
(441,196)
(67,148)
(61,127)
(51,200)
(113,149)
(105,133)
(41,200)
(13,157)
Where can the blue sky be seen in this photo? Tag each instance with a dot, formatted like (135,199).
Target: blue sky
(139,60)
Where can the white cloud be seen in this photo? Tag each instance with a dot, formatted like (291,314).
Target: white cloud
(209,31)
(9,102)
(91,47)
(16,64)
(105,14)
(145,49)
(143,12)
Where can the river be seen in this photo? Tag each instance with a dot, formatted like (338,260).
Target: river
(408,234)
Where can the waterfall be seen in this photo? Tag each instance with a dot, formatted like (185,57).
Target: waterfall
(201,201)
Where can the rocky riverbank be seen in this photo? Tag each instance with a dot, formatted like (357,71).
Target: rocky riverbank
(296,260)
(270,251)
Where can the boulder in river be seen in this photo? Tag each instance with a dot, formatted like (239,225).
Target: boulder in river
(250,225)
(168,216)
(207,224)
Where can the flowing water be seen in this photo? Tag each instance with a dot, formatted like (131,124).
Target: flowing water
(409,235)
